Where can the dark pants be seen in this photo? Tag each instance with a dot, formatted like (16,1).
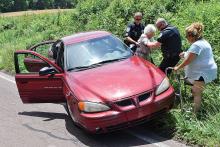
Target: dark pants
(169,62)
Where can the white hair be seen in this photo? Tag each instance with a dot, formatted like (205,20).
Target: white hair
(149,28)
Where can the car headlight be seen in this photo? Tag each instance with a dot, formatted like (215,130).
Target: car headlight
(92,107)
(165,84)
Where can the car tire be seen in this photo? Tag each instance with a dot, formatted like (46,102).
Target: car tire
(76,124)
(70,113)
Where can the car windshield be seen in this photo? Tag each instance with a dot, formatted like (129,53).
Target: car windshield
(95,52)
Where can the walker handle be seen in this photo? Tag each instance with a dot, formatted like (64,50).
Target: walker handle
(168,68)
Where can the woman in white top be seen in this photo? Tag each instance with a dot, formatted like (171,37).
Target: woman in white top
(143,50)
(200,67)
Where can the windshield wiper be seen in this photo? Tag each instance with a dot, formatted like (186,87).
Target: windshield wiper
(78,68)
(112,60)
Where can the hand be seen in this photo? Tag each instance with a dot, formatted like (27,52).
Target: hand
(137,44)
(176,68)
(182,54)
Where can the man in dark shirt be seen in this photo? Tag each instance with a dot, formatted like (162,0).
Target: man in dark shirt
(134,31)
(170,42)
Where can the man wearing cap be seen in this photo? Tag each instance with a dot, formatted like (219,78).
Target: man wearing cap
(134,31)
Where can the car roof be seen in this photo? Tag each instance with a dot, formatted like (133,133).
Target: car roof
(83,36)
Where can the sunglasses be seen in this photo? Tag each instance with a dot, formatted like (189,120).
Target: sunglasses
(138,19)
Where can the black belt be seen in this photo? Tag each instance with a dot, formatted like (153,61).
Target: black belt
(170,55)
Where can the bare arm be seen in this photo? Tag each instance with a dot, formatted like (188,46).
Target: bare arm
(186,61)
(155,44)
(129,39)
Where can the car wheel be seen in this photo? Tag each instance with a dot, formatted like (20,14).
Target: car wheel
(70,113)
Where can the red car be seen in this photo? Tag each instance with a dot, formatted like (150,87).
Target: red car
(104,85)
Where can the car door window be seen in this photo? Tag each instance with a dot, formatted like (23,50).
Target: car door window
(28,63)
(45,49)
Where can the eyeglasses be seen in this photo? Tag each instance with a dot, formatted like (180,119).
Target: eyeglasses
(138,19)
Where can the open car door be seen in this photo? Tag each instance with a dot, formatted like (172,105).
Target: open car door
(40,82)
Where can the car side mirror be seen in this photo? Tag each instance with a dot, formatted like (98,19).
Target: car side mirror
(47,70)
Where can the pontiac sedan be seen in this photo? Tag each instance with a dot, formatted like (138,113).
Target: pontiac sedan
(105,87)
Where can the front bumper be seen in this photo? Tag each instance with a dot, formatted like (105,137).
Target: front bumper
(115,120)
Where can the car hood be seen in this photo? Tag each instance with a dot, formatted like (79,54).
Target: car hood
(115,80)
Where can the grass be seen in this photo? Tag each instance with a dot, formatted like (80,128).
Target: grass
(23,31)
(198,129)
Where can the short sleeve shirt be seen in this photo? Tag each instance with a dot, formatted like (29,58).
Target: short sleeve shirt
(170,41)
(143,50)
(204,64)
(134,31)
(143,41)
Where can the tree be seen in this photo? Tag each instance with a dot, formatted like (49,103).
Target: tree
(64,3)
(20,5)
(6,5)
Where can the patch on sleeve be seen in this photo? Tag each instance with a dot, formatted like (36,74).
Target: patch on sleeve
(128,29)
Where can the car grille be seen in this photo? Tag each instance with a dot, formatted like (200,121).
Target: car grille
(126,102)
(130,101)
(136,122)
(143,97)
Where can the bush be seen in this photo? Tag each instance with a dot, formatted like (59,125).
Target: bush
(22,5)
(21,32)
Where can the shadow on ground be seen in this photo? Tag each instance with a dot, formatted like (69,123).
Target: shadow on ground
(123,137)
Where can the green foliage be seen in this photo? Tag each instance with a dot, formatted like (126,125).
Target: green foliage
(22,32)
(205,12)
(6,6)
(22,5)
(114,15)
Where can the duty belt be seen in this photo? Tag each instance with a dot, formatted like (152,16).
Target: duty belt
(170,55)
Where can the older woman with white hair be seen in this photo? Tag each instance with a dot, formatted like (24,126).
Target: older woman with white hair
(147,37)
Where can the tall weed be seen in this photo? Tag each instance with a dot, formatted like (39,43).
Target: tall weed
(113,15)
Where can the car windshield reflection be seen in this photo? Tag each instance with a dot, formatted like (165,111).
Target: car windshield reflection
(95,52)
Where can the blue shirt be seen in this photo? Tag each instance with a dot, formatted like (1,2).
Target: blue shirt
(204,64)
